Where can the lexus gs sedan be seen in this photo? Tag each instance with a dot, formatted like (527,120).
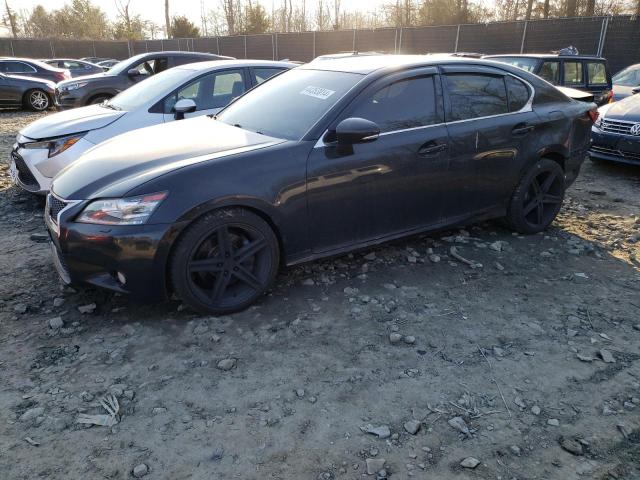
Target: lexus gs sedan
(320,160)
(49,144)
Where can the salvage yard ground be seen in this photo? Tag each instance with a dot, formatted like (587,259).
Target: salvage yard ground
(400,361)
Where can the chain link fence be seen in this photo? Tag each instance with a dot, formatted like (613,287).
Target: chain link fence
(617,38)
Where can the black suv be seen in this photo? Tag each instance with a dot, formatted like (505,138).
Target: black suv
(582,72)
(97,88)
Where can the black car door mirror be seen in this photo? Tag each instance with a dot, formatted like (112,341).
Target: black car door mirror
(182,106)
(356,130)
(635,90)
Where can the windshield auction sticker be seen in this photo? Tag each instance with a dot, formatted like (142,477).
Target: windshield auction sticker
(317,92)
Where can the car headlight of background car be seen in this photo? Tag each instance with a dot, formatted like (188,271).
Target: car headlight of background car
(121,211)
(72,86)
(56,145)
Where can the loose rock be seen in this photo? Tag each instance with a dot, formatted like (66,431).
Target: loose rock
(227,364)
(412,426)
(140,471)
(374,465)
(470,462)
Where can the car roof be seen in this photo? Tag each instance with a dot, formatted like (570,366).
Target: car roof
(367,64)
(546,55)
(235,63)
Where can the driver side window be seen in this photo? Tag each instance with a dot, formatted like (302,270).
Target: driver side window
(211,91)
(406,103)
(151,66)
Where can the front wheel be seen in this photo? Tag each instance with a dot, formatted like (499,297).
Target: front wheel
(37,100)
(538,198)
(224,261)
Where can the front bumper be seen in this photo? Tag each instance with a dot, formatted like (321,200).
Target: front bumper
(104,255)
(33,170)
(615,147)
(65,100)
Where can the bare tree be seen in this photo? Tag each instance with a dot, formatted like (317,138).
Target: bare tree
(336,14)
(571,8)
(529,9)
(12,19)
(591,8)
(545,9)
(167,18)
(323,18)
(231,10)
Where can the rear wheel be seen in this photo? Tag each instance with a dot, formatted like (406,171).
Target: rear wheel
(224,261)
(537,198)
(37,100)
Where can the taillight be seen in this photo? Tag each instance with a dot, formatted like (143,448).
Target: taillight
(594,114)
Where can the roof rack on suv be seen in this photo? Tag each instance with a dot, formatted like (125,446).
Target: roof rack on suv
(570,50)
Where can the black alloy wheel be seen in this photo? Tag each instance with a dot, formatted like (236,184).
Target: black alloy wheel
(538,198)
(224,261)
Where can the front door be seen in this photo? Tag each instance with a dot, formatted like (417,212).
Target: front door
(390,185)
(211,92)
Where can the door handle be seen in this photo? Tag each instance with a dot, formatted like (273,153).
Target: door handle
(522,129)
(431,148)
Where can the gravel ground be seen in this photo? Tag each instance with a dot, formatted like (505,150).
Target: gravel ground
(395,362)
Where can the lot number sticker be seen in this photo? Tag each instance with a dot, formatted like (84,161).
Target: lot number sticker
(317,92)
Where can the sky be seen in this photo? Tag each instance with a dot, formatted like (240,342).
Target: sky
(154,9)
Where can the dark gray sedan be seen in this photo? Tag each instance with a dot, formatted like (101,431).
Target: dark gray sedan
(78,68)
(27,67)
(95,89)
(32,93)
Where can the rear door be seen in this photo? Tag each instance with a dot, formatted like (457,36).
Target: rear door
(598,80)
(10,91)
(490,123)
(391,185)
(210,92)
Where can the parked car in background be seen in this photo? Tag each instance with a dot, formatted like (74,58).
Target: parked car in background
(626,82)
(49,144)
(95,59)
(582,72)
(106,65)
(616,134)
(320,160)
(97,88)
(26,92)
(26,67)
(77,68)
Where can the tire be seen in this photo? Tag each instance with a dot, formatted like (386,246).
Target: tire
(219,280)
(37,100)
(538,198)
(98,99)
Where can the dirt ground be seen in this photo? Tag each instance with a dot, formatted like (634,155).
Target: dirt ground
(529,363)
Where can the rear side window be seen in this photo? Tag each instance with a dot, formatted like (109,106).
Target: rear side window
(476,95)
(518,93)
(573,73)
(264,73)
(403,104)
(597,73)
(550,71)
(16,67)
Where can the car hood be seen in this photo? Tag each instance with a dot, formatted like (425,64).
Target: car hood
(622,91)
(126,161)
(76,120)
(627,109)
(95,77)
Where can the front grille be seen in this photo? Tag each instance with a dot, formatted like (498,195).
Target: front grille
(24,174)
(624,154)
(617,126)
(55,206)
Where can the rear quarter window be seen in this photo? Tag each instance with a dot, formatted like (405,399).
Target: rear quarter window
(597,73)
(518,93)
(573,73)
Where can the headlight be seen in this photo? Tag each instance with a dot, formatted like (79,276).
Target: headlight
(598,122)
(72,86)
(56,145)
(122,211)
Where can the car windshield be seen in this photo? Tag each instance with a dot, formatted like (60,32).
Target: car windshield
(142,93)
(525,63)
(290,104)
(629,77)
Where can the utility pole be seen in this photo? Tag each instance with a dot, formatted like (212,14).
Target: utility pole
(167,19)
(12,20)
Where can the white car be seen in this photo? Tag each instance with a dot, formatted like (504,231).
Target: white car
(51,143)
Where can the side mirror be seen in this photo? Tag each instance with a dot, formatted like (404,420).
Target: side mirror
(182,106)
(636,90)
(356,130)
(134,72)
